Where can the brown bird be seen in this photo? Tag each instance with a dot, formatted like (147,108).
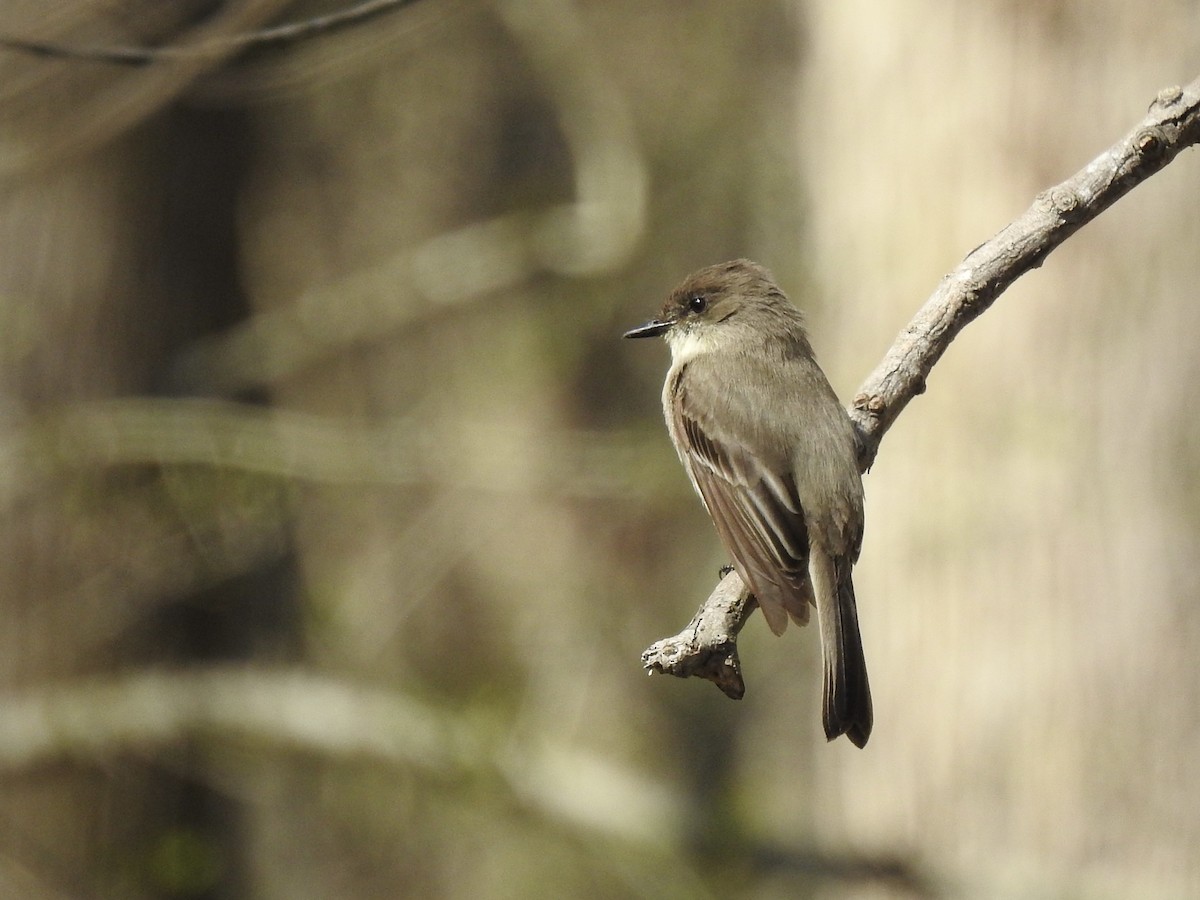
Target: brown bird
(773,455)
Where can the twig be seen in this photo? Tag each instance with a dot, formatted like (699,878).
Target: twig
(707,648)
(275,36)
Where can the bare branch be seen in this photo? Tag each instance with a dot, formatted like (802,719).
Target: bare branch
(707,648)
(1171,125)
(275,36)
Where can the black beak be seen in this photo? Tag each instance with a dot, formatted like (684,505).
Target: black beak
(650,329)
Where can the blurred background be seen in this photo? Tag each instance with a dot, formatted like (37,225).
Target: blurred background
(335,514)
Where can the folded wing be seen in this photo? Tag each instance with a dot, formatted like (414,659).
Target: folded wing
(757,515)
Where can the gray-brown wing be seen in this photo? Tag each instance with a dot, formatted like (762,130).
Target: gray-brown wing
(757,515)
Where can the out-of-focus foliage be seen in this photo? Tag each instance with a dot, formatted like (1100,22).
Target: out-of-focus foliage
(335,515)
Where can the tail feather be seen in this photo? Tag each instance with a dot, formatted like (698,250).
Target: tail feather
(847,693)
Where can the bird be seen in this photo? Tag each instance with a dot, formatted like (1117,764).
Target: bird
(774,457)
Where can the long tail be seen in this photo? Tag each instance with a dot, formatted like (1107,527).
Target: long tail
(847,695)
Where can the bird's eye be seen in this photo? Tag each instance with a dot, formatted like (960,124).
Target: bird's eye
(697,303)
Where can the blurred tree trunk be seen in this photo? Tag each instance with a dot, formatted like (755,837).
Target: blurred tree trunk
(1028,580)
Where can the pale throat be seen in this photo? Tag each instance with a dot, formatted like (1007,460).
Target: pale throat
(689,343)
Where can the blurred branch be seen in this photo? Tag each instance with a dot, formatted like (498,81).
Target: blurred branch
(291,711)
(603,224)
(593,234)
(707,647)
(89,720)
(314,448)
(111,106)
(275,36)
(285,710)
(447,270)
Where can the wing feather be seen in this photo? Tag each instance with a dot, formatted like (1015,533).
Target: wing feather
(757,514)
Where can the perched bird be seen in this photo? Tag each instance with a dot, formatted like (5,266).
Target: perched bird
(773,455)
